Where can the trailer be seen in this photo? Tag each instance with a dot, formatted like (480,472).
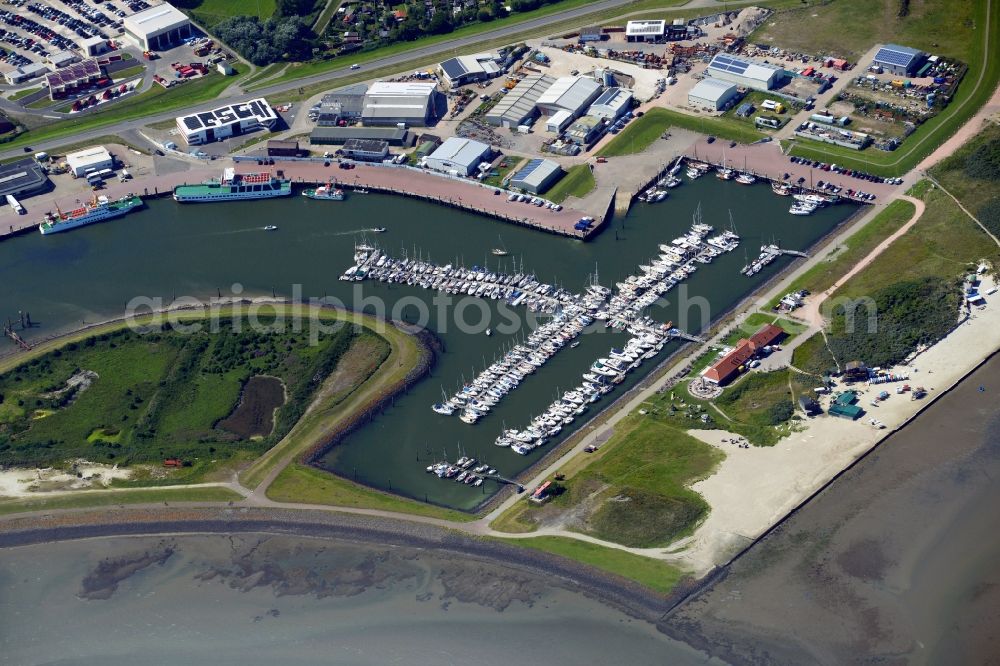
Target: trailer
(15,204)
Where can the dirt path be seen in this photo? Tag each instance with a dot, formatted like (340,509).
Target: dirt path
(811,311)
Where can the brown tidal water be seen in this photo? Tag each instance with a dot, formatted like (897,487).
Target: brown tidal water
(253,599)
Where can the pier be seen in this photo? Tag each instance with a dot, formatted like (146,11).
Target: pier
(461,193)
(571,313)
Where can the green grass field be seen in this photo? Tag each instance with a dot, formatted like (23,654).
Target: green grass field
(578,182)
(642,132)
(308,485)
(634,490)
(23,93)
(944,243)
(638,135)
(823,275)
(654,574)
(980,187)
(158,395)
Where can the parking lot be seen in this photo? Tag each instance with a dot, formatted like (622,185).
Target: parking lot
(32,30)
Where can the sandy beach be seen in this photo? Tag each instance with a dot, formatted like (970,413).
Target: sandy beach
(755,487)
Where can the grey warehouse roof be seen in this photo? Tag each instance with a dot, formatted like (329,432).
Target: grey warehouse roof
(711,89)
(22,176)
(521,99)
(536,172)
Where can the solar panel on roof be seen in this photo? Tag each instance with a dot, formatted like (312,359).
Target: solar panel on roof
(893,57)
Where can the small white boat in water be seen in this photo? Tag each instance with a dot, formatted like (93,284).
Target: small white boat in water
(270,227)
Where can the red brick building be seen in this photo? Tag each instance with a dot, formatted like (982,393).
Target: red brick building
(728,367)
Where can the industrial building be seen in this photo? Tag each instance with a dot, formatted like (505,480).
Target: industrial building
(558,121)
(901,60)
(585,131)
(22,178)
(729,366)
(227,121)
(335,136)
(89,160)
(25,73)
(645,31)
(612,104)
(157,28)
(366,150)
(519,105)
(346,103)
(712,94)
(469,69)
(572,93)
(391,103)
(537,176)
(60,59)
(592,34)
(73,79)
(94,46)
(746,73)
(457,155)
(276,148)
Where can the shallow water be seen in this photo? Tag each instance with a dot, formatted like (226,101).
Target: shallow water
(263,600)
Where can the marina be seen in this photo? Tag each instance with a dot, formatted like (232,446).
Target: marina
(223,245)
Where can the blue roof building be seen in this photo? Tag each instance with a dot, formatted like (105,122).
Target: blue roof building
(537,176)
(901,60)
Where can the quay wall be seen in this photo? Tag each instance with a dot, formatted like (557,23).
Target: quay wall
(443,189)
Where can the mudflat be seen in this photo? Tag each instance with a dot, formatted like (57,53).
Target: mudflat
(897,560)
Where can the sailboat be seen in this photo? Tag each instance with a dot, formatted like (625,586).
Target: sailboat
(501,250)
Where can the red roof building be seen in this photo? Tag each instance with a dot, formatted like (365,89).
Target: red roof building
(728,367)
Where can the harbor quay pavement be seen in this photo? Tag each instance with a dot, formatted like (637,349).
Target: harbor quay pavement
(766,159)
(427,185)
(71,193)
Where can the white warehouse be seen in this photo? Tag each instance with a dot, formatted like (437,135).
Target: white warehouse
(572,93)
(712,94)
(89,159)
(457,155)
(391,103)
(612,104)
(745,73)
(227,121)
(157,28)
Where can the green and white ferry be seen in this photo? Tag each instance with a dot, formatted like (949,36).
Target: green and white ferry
(97,210)
(234,187)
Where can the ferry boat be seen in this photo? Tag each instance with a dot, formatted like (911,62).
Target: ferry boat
(324,193)
(97,210)
(234,187)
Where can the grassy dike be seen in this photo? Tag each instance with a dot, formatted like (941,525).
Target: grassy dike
(654,574)
(98,498)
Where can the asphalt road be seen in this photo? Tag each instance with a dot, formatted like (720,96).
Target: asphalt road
(332,75)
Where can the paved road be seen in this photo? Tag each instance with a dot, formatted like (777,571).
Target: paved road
(425,52)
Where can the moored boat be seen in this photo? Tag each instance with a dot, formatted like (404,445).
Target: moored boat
(324,193)
(97,210)
(234,187)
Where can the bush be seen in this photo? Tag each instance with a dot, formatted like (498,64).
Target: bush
(910,314)
(989,215)
(263,43)
(984,161)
